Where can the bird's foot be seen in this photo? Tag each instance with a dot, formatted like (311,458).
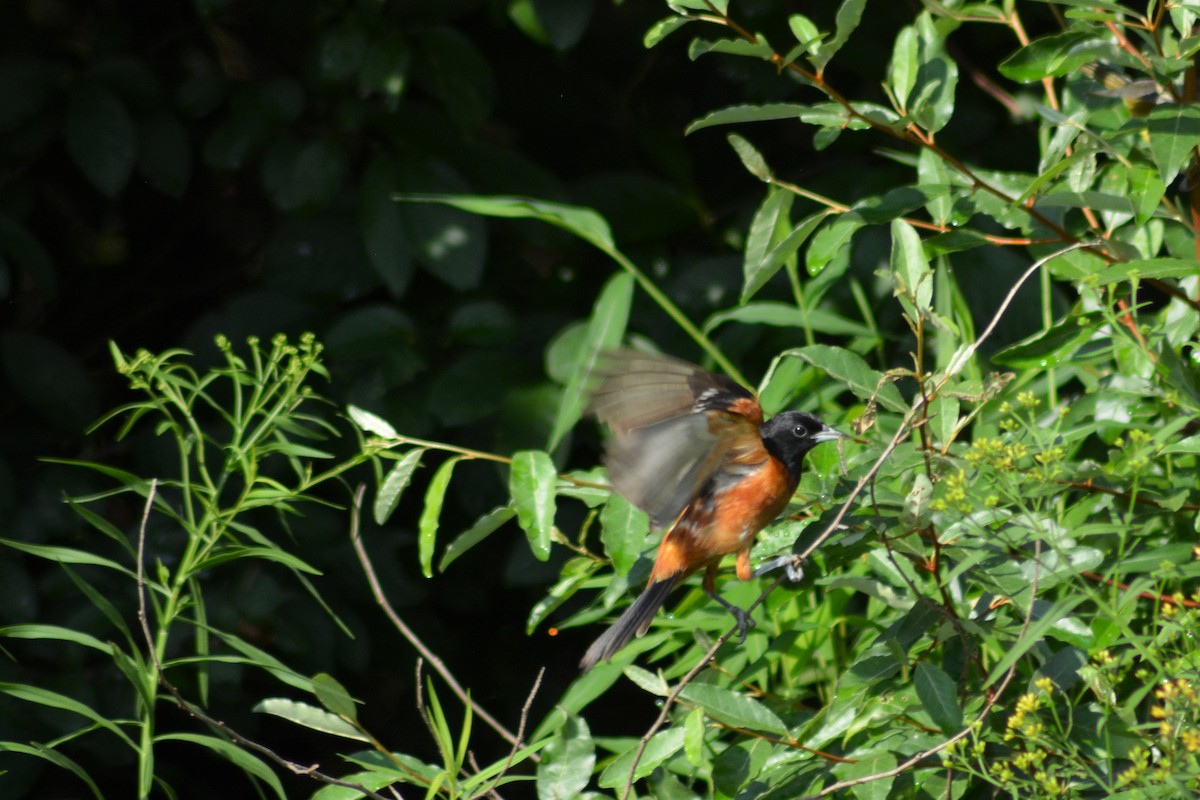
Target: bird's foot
(741,616)
(792,564)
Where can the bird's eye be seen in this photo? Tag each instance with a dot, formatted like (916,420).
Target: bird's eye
(800,430)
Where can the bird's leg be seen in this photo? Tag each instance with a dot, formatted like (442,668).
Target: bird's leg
(792,564)
(742,618)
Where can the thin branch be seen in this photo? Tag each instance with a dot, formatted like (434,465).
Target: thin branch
(192,710)
(537,684)
(1164,599)
(408,633)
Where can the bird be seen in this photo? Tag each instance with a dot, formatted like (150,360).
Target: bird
(691,449)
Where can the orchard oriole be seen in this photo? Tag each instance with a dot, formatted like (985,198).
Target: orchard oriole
(690,448)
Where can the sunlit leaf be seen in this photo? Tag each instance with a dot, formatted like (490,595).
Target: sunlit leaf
(427,526)
(532,482)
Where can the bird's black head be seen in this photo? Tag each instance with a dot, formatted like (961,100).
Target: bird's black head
(788,436)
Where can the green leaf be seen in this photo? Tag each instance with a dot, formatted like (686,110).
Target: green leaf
(371,423)
(483,527)
(532,483)
(663,28)
(1146,190)
(733,47)
(783,315)
(852,370)
(235,754)
(36,631)
(765,267)
(225,555)
(747,113)
(1031,636)
(45,697)
(755,164)
(623,529)
(583,222)
(1050,56)
(939,696)
(101,138)
(567,762)
(1160,268)
(334,696)
(830,240)
(733,708)
(902,72)
(867,764)
(66,555)
(1174,133)
(318,719)
(662,746)
(56,758)
(427,526)
(849,14)
(694,728)
(605,330)
(1054,346)
(771,218)
(575,573)
(910,267)
(394,484)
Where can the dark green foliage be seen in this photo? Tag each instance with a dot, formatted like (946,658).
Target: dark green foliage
(965,230)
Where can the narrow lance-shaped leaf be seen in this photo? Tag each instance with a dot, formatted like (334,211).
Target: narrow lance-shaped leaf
(395,483)
(755,164)
(483,527)
(849,14)
(309,716)
(427,526)
(583,222)
(910,267)
(371,423)
(532,484)
(779,253)
(235,754)
(768,221)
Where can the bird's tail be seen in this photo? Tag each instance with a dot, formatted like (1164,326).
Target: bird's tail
(633,622)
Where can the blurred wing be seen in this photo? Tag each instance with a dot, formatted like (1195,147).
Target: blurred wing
(673,425)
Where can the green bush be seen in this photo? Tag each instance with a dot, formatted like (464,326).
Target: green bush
(1000,588)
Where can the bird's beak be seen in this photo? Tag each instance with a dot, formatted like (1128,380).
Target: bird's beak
(828,434)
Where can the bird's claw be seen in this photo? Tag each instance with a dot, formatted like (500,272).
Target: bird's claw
(742,618)
(744,622)
(793,566)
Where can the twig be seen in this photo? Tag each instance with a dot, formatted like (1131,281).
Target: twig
(410,635)
(537,684)
(1165,599)
(310,771)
